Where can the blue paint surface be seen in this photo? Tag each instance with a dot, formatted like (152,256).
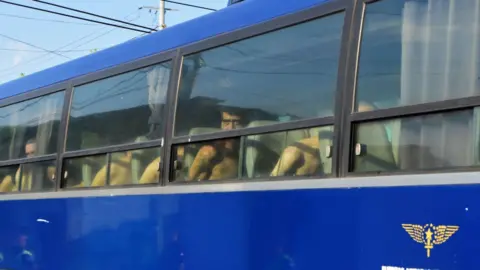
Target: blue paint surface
(298,229)
(226,20)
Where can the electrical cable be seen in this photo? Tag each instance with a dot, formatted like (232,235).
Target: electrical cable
(189,5)
(92,14)
(45,20)
(74,17)
(32,45)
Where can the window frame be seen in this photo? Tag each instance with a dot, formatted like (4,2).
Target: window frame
(317,12)
(17,99)
(351,118)
(163,57)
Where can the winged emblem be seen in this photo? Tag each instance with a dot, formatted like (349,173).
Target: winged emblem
(430,235)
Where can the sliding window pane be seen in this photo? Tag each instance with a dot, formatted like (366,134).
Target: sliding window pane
(122,109)
(29,177)
(302,152)
(416,52)
(136,167)
(435,141)
(212,160)
(285,75)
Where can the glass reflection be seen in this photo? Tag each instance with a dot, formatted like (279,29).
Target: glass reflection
(136,167)
(432,141)
(121,109)
(281,76)
(419,51)
(30,128)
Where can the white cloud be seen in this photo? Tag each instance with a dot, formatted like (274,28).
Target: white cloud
(18,56)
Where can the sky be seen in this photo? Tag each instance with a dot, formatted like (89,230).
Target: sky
(72,38)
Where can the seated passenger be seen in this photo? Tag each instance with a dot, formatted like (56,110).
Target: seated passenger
(9,184)
(303,157)
(151,174)
(300,158)
(120,171)
(219,159)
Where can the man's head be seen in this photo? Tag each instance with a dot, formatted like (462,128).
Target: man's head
(230,120)
(30,148)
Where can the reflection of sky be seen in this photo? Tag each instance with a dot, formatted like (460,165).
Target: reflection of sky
(33,112)
(121,92)
(292,70)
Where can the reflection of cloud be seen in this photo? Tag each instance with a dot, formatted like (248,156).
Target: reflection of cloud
(20,54)
(225,83)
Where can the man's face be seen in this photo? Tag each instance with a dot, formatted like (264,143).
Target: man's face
(230,121)
(30,149)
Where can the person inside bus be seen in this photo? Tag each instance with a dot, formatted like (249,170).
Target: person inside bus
(9,184)
(120,171)
(303,157)
(151,174)
(218,159)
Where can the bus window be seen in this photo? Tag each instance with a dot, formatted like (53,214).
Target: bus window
(442,140)
(304,152)
(416,52)
(7,179)
(140,166)
(38,176)
(212,160)
(120,109)
(30,128)
(80,172)
(281,76)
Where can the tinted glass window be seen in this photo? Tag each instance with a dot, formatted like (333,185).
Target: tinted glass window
(303,152)
(281,76)
(30,128)
(213,160)
(121,109)
(141,166)
(39,176)
(443,140)
(419,51)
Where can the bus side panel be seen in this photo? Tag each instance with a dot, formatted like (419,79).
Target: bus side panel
(295,229)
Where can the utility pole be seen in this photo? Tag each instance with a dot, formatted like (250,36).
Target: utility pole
(161,14)
(160,10)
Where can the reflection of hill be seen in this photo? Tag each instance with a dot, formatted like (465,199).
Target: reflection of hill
(114,127)
(206,112)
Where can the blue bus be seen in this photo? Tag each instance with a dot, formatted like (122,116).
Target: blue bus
(268,135)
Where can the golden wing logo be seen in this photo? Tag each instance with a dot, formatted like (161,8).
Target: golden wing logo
(430,235)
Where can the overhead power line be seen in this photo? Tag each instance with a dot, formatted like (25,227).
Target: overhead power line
(42,51)
(92,14)
(189,5)
(32,45)
(9,69)
(41,19)
(72,16)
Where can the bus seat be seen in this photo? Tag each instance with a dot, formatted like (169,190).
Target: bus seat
(141,158)
(263,150)
(151,174)
(120,171)
(376,152)
(373,150)
(90,164)
(325,138)
(396,127)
